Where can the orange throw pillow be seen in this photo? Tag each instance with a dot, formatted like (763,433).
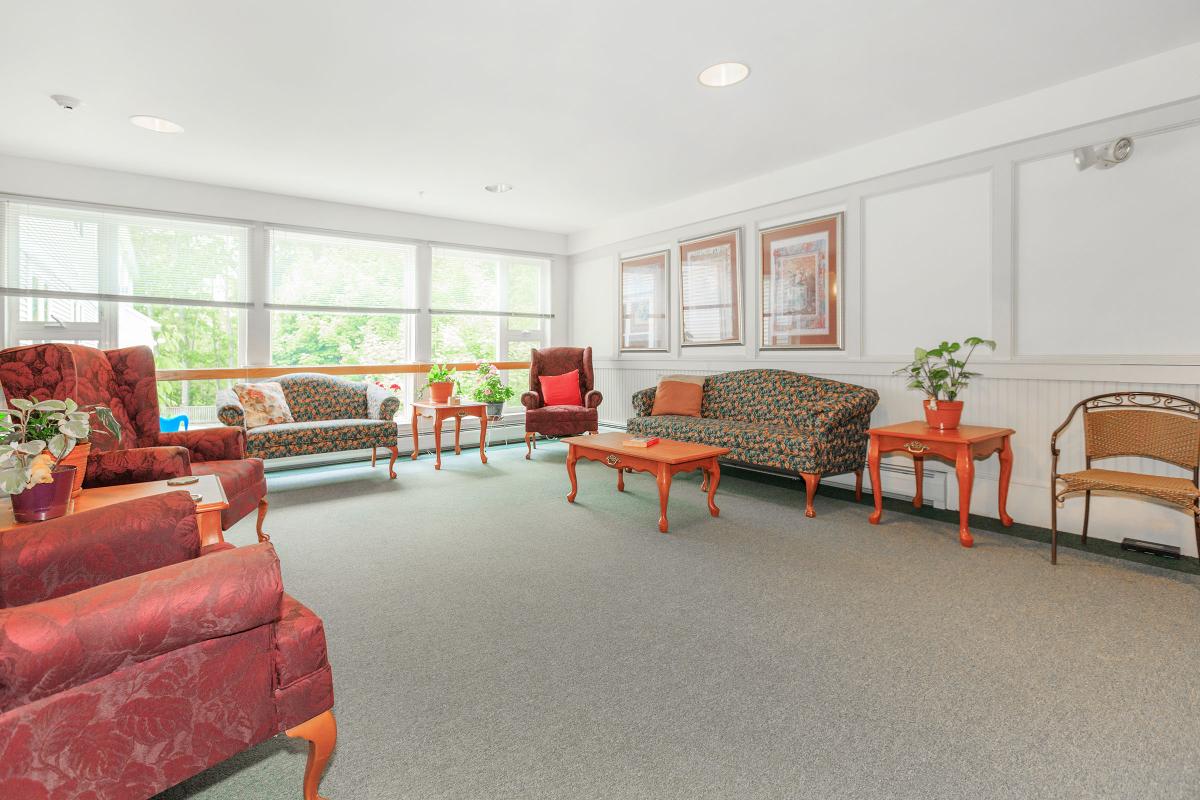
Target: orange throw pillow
(678,396)
(561,390)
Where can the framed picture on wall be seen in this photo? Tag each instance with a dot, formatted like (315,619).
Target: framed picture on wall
(643,284)
(801,270)
(709,296)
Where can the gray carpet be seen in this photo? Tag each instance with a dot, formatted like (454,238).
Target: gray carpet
(490,641)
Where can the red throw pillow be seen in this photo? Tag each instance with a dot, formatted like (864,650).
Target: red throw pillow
(561,390)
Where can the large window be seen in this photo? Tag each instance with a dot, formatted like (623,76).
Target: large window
(336,300)
(644,302)
(205,293)
(488,307)
(111,279)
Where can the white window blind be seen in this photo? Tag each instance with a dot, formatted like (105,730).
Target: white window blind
(311,271)
(86,255)
(489,284)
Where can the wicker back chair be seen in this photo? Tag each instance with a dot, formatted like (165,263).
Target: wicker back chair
(1160,426)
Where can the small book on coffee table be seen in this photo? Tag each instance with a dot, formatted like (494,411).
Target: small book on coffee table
(641,441)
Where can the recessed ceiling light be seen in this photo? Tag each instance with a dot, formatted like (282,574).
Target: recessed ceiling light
(724,74)
(499,188)
(156,124)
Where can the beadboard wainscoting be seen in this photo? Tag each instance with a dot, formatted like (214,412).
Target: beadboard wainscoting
(1032,407)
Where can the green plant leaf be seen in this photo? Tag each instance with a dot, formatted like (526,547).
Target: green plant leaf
(105,415)
(60,446)
(74,429)
(13,479)
(50,405)
(21,403)
(32,447)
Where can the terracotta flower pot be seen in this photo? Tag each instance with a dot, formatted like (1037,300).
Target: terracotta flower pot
(945,416)
(439,391)
(77,458)
(45,500)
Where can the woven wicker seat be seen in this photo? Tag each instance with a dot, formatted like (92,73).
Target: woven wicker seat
(1176,491)
(1159,426)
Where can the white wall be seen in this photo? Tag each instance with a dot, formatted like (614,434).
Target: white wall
(1086,280)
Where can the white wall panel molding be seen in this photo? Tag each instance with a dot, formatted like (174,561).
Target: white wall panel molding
(927,264)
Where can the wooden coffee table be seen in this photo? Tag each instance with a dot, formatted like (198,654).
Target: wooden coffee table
(208,509)
(662,460)
(442,411)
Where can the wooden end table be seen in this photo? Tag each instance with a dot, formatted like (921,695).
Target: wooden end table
(662,460)
(961,445)
(442,411)
(208,509)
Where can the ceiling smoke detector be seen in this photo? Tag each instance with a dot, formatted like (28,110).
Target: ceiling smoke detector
(66,102)
(1106,156)
(499,188)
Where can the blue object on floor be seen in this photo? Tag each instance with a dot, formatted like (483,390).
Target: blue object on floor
(172,424)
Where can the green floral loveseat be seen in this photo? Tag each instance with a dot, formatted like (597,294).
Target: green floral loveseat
(331,415)
(774,419)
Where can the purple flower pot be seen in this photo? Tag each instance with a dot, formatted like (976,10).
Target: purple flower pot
(45,500)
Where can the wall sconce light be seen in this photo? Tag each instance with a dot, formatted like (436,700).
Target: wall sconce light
(1106,156)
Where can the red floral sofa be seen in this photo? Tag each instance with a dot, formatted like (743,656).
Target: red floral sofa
(124,380)
(130,660)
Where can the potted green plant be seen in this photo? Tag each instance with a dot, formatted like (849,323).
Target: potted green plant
(489,389)
(35,438)
(942,376)
(440,381)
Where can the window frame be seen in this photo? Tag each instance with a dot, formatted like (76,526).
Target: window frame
(108,300)
(254,329)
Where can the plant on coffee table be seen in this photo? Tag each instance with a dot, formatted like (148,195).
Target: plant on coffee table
(35,438)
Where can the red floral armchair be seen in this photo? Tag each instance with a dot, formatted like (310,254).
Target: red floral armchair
(560,420)
(124,380)
(130,660)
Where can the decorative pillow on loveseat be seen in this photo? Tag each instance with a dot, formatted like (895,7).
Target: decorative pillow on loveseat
(263,403)
(678,396)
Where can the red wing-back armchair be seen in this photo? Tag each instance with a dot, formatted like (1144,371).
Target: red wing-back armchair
(124,380)
(130,661)
(560,420)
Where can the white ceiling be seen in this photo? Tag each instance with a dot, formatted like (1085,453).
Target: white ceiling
(589,110)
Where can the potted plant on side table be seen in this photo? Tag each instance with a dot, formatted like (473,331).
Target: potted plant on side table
(35,440)
(489,390)
(440,380)
(942,376)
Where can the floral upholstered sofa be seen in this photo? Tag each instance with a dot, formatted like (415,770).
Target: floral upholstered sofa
(774,419)
(331,415)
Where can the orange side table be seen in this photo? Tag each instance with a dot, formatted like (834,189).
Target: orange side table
(442,411)
(961,445)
